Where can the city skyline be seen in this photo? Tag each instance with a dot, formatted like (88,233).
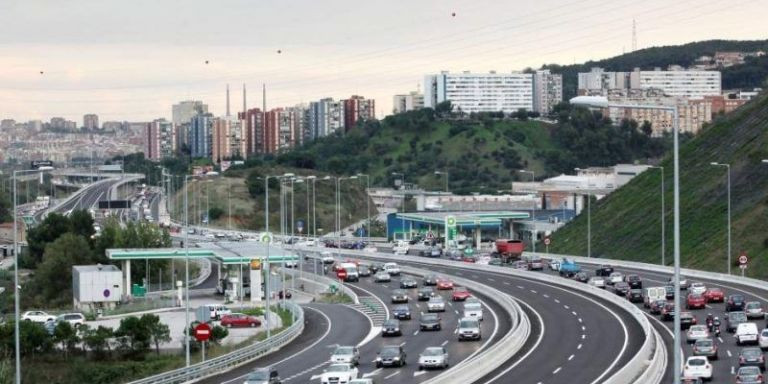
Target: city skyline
(103,60)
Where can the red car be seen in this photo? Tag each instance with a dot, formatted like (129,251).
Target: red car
(714,295)
(239,320)
(469,259)
(443,284)
(460,294)
(695,301)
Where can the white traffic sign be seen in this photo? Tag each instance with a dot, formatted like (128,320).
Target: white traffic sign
(266,237)
(743,259)
(547,241)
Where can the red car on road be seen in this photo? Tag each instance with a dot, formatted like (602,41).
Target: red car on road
(714,295)
(460,294)
(444,284)
(239,320)
(695,301)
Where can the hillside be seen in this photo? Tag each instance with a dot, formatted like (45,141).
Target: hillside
(752,74)
(626,224)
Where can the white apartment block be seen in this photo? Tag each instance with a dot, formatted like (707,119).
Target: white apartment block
(547,91)
(676,81)
(599,79)
(692,113)
(410,102)
(486,92)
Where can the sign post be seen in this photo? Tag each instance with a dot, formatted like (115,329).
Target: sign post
(341,273)
(450,231)
(546,243)
(743,260)
(203,334)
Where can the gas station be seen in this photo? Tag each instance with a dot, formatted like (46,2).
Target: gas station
(403,226)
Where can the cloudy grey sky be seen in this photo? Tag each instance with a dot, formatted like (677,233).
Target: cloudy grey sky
(130,60)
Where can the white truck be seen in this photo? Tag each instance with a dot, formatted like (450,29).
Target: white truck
(401,248)
(352,274)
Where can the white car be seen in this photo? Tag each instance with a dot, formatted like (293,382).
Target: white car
(327,258)
(401,248)
(754,310)
(339,374)
(697,288)
(292,264)
(370,249)
(74,319)
(37,316)
(596,281)
(616,277)
(436,304)
(382,277)
(469,329)
(346,354)
(433,357)
(362,381)
(473,310)
(746,333)
(392,269)
(696,332)
(554,265)
(698,367)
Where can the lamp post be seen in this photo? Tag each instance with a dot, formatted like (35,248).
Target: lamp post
(186,268)
(728,169)
(602,102)
(444,173)
(367,206)
(589,221)
(535,234)
(663,223)
(402,184)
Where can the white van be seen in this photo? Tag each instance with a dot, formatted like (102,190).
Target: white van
(392,269)
(473,310)
(746,333)
(351,268)
(218,310)
(652,294)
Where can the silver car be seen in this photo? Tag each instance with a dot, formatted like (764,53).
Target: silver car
(346,354)
(382,277)
(596,281)
(754,310)
(433,357)
(469,329)
(436,304)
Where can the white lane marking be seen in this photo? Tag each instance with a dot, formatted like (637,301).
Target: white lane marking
(580,320)
(475,277)
(578,346)
(566,307)
(455,310)
(556,370)
(570,357)
(583,337)
(419,373)
(305,372)
(720,339)
(444,343)
(583,328)
(521,287)
(489,279)
(669,331)
(507,283)
(729,353)
(534,292)
(557,301)
(416,333)
(546,296)
(392,375)
(372,373)
(402,344)
(574,313)
(327,331)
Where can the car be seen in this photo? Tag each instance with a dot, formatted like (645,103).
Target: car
(705,347)
(392,268)
(684,283)
(568,268)
(430,321)
(668,312)
(429,280)
(239,320)
(763,340)
(687,320)
(752,357)
(581,277)
(382,277)
(473,311)
(698,367)
(408,283)
(749,375)
(469,329)
(735,303)
(291,264)
(656,306)
(74,319)
(714,295)
(399,296)
(695,301)
(635,295)
(339,374)
(620,288)
(754,310)
(364,270)
(431,252)
(436,304)
(697,287)
(345,354)
(37,316)
(534,263)
(433,357)
(390,356)
(691,380)
(554,265)
(747,333)
(444,284)
(615,277)
(391,327)
(401,312)
(652,294)
(595,281)
(733,319)
(376,267)
(424,293)
(495,261)
(696,332)
(521,265)
(634,281)
(362,381)
(460,294)
(669,292)
(327,258)
(604,270)
(454,254)
(263,376)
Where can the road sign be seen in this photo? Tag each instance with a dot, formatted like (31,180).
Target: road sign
(300,225)
(341,273)
(266,237)
(202,332)
(430,235)
(547,241)
(743,260)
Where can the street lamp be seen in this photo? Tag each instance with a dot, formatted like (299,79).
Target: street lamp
(602,102)
(728,168)
(186,267)
(402,183)
(535,234)
(367,205)
(444,173)
(663,223)
(589,221)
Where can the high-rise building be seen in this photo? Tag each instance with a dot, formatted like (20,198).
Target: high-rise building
(598,79)
(358,108)
(254,131)
(282,128)
(676,81)
(547,91)
(91,122)
(158,140)
(486,92)
(185,110)
(324,117)
(692,113)
(410,102)
(220,140)
(200,135)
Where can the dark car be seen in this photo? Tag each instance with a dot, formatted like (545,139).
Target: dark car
(686,320)
(429,321)
(635,295)
(390,356)
(495,261)
(705,347)
(749,375)
(391,327)
(399,296)
(581,277)
(429,280)
(733,319)
(752,357)
(668,312)
(604,270)
(375,267)
(401,312)
(408,283)
(735,303)
(634,281)
(670,292)
(364,270)
(425,293)
(656,306)
(621,288)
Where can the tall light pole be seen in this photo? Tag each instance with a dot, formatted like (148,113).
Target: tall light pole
(402,184)
(663,223)
(444,173)
(589,221)
(602,102)
(367,206)
(728,169)
(535,234)
(186,268)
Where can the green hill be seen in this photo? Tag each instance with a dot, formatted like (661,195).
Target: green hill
(626,224)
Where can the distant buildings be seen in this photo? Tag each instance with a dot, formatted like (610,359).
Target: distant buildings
(486,92)
(159,140)
(184,111)
(325,117)
(547,91)
(200,128)
(91,122)
(358,108)
(410,102)
(674,82)
(692,113)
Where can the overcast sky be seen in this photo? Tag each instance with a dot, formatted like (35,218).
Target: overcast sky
(131,60)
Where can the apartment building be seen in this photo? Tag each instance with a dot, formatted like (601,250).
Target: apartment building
(358,108)
(91,122)
(481,92)
(410,102)
(692,113)
(200,129)
(325,117)
(547,91)
(158,140)
(676,81)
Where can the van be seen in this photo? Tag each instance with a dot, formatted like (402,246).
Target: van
(534,262)
(351,268)
(746,333)
(217,310)
(652,294)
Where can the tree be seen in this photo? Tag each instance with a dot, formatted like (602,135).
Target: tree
(81,223)
(133,336)
(215,213)
(66,335)
(53,279)
(41,235)
(6,209)
(34,338)
(158,332)
(97,340)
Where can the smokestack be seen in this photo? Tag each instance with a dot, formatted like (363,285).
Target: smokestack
(245,107)
(227,100)
(264,97)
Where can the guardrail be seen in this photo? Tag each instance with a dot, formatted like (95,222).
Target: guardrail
(323,280)
(234,359)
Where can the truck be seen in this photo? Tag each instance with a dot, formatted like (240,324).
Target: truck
(509,249)
(569,268)
(351,269)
